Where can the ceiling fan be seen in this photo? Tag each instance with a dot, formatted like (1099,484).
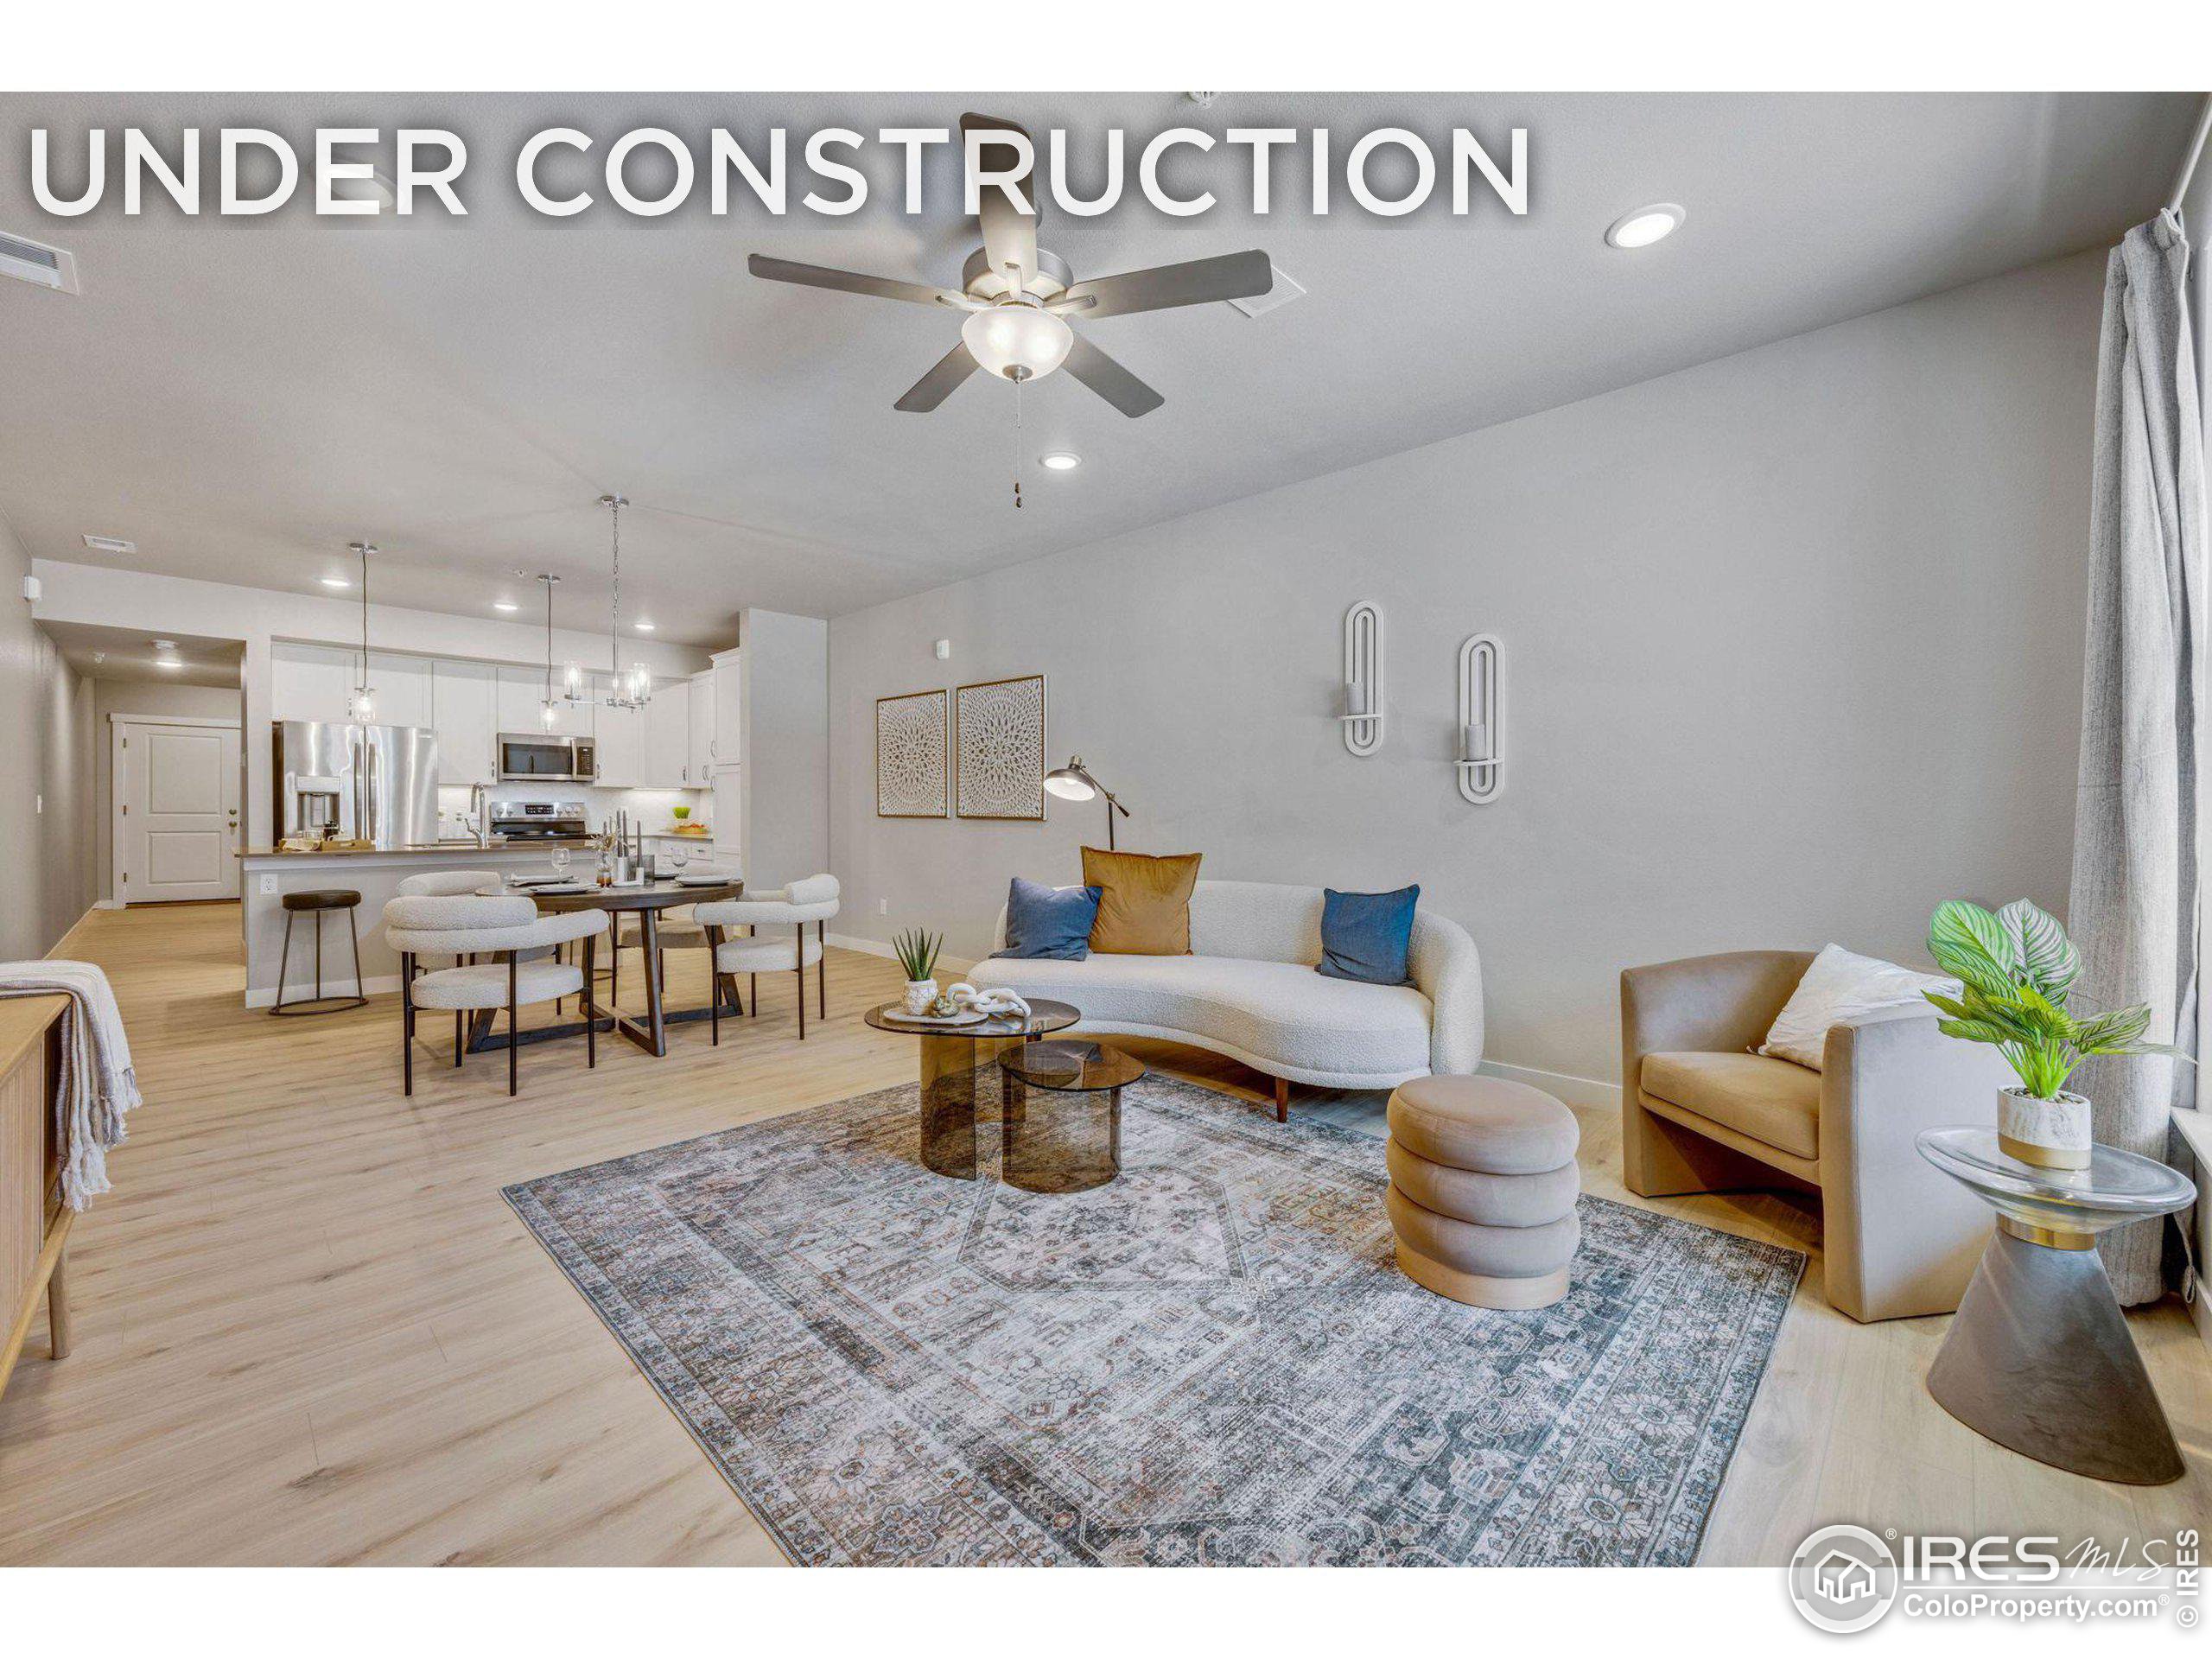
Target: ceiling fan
(1019,299)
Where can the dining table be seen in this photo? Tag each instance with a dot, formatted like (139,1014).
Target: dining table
(647,900)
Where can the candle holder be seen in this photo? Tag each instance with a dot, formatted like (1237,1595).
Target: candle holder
(1363,714)
(1479,769)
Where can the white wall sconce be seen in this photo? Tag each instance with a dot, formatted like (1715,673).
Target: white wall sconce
(1481,730)
(1362,694)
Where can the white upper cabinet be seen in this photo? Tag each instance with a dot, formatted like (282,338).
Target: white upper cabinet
(401,685)
(621,737)
(668,737)
(728,723)
(311,683)
(464,708)
(521,691)
(700,767)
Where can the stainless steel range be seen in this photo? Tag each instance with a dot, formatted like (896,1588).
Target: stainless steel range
(538,820)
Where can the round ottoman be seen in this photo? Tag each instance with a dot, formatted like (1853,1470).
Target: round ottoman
(1483,1185)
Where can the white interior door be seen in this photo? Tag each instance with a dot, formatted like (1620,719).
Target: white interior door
(176,797)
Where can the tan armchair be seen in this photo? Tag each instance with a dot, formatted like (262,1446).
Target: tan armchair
(1700,1112)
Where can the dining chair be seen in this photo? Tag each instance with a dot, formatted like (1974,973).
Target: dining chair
(814,899)
(432,884)
(508,929)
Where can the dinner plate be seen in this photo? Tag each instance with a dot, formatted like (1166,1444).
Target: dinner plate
(702,881)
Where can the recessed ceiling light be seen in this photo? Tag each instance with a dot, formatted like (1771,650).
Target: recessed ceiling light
(504,605)
(162,645)
(1641,226)
(109,544)
(1061,461)
(336,581)
(642,627)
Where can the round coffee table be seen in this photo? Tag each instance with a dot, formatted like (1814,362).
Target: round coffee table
(1072,1141)
(950,1056)
(2038,1357)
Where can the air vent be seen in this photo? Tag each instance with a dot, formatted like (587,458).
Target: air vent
(35,263)
(1285,291)
(109,544)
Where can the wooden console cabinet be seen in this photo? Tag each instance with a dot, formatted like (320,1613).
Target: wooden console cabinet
(34,1225)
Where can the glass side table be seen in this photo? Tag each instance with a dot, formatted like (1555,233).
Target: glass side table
(1069,1139)
(2038,1357)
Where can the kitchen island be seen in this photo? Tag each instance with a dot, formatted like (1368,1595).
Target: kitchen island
(375,873)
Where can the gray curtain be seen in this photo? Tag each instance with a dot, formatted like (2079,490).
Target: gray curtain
(2134,908)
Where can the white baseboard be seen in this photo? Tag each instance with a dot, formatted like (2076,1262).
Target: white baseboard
(107,904)
(1586,1092)
(375,985)
(880,948)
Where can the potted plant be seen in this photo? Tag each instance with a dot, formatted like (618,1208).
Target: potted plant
(917,953)
(2016,969)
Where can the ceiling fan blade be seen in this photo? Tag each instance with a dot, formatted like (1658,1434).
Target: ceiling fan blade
(933,387)
(854,282)
(1111,380)
(1009,234)
(1229,276)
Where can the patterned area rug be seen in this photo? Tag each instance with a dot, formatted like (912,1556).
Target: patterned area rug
(1211,1360)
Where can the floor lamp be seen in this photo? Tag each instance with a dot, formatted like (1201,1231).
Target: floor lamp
(1072,783)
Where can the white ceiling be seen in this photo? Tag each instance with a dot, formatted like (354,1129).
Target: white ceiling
(242,397)
(101,653)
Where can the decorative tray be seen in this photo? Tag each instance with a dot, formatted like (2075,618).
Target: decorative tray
(965,1017)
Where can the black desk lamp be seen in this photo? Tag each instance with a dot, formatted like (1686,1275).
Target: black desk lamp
(1072,783)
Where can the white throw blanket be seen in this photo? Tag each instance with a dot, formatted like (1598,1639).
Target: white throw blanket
(98,1086)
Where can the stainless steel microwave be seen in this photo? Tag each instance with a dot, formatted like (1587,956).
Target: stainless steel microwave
(542,758)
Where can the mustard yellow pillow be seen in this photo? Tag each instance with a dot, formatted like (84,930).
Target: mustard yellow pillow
(1144,903)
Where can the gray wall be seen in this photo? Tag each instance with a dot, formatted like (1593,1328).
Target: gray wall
(45,717)
(113,697)
(1792,644)
(784,749)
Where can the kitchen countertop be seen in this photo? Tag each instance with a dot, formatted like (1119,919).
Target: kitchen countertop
(523,845)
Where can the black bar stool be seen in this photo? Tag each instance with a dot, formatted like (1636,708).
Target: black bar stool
(317,902)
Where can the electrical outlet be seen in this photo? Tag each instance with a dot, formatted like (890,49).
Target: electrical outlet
(944,650)
(883,907)
(42,806)
(268,886)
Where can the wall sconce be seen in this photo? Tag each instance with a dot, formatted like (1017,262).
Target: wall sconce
(1362,711)
(1481,730)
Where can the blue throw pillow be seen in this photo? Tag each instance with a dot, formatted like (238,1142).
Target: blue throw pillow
(1366,935)
(1049,923)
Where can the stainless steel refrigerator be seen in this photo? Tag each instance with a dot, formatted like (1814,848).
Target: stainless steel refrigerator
(377,784)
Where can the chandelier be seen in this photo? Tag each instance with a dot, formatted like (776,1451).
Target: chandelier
(633,689)
(549,709)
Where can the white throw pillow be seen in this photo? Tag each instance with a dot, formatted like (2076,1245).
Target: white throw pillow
(1839,986)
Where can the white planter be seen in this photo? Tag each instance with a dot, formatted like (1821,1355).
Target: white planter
(920,993)
(2049,1133)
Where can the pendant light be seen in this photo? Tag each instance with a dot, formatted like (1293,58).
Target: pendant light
(361,708)
(635,688)
(549,710)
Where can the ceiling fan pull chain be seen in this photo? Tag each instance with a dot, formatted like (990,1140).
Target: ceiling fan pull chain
(1017,445)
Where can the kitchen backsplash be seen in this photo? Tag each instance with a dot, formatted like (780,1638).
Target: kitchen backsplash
(649,808)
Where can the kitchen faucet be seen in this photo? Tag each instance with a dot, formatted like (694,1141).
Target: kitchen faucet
(479,809)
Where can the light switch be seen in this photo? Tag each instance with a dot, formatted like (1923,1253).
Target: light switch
(944,650)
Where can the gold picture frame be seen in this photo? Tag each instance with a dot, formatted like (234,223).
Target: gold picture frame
(999,750)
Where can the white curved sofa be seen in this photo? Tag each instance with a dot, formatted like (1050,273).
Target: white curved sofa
(1248,990)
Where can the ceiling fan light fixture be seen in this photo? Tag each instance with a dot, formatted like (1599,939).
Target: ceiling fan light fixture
(1017,341)
(1061,461)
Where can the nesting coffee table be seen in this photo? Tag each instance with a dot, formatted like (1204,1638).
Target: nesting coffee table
(1068,1141)
(950,1057)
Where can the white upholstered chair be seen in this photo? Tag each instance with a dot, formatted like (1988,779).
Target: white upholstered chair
(678,929)
(772,951)
(438,884)
(506,929)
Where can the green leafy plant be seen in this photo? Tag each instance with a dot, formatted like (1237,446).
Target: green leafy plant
(917,953)
(2016,969)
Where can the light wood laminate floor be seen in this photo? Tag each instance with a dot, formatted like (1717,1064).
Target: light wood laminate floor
(308,1329)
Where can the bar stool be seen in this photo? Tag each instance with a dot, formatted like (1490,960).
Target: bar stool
(316,902)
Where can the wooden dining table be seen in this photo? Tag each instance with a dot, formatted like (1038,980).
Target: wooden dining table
(646,901)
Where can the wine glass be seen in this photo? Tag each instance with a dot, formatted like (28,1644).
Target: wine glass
(677,855)
(561,862)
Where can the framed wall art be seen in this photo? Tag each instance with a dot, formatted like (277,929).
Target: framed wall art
(911,770)
(999,728)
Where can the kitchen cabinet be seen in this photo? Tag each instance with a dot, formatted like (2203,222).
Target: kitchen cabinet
(699,768)
(401,685)
(728,816)
(311,683)
(668,737)
(729,724)
(621,737)
(521,692)
(464,699)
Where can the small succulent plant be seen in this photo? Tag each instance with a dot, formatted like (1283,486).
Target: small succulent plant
(916,951)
